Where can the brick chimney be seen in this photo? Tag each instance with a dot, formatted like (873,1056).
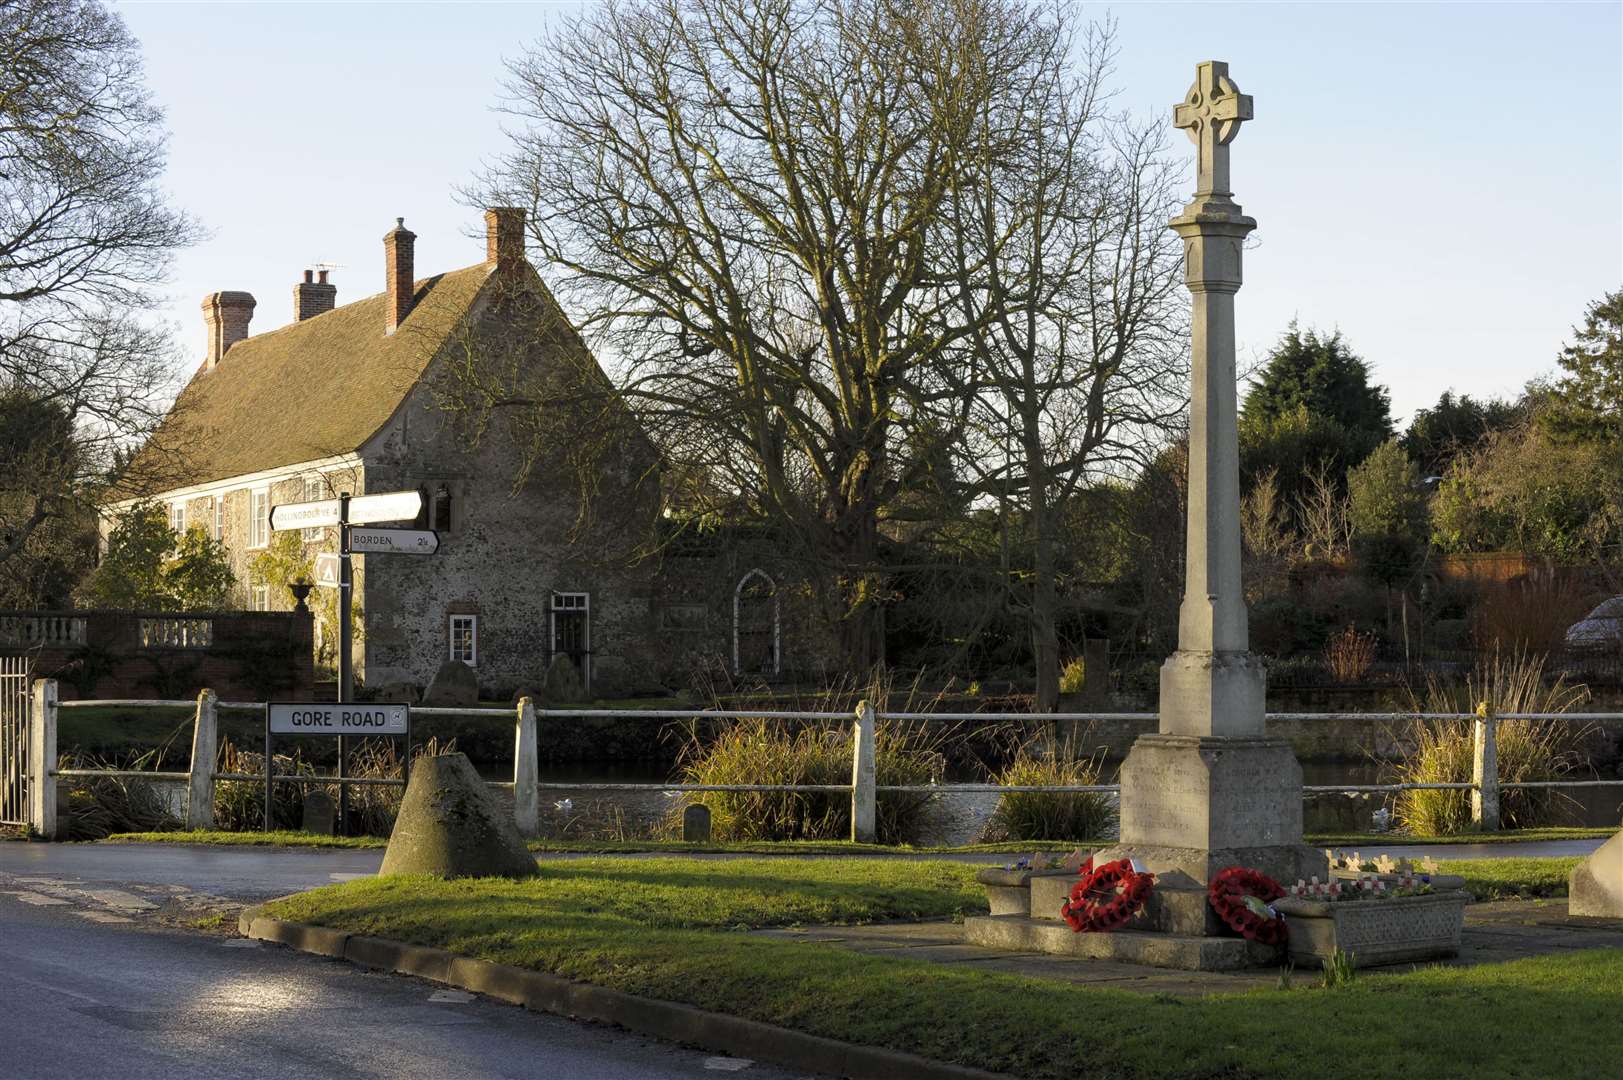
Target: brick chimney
(504,236)
(397,273)
(312,298)
(226,314)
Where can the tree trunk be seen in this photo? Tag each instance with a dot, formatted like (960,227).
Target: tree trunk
(1044,591)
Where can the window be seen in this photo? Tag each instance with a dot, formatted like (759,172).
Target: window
(259,518)
(465,639)
(439,513)
(260,598)
(756,626)
(314,491)
(177,518)
(219,517)
(571,632)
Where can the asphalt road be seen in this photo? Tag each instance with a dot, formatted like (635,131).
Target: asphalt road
(99,979)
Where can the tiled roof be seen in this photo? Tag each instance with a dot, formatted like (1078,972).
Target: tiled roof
(312,389)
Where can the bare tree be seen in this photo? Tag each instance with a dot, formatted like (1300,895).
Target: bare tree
(1078,373)
(752,202)
(84,236)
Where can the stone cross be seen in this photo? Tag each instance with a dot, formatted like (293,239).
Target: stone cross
(1212,686)
(1211,113)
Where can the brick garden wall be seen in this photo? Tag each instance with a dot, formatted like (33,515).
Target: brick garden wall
(241,655)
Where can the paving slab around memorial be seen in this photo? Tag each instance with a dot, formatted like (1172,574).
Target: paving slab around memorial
(1494,933)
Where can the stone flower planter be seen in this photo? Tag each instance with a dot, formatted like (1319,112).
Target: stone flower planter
(1392,930)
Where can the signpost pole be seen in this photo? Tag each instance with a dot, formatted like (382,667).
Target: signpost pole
(346,657)
(269,768)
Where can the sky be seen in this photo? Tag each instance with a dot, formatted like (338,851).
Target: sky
(1443,183)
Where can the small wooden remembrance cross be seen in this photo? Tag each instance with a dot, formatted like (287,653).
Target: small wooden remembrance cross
(1211,113)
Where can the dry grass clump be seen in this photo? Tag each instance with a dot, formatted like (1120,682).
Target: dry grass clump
(94,807)
(1052,815)
(1350,654)
(762,751)
(1528,750)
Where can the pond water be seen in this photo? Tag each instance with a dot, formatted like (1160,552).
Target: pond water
(960,819)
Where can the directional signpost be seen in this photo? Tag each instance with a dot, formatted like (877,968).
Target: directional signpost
(394,541)
(347,511)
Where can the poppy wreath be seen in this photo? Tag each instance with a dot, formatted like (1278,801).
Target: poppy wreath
(1106,898)
(1240,896)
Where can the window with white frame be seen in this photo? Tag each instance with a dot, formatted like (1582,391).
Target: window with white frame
(219,517)
(260,598)
(259,518)
(572,631)
(314,491)
(177,518)
(464,636)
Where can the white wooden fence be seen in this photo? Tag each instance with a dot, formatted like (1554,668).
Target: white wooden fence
(530,725)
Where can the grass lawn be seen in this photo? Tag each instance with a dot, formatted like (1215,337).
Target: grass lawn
(668,928)
(279,838)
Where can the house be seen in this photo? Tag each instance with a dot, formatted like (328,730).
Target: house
(352,398)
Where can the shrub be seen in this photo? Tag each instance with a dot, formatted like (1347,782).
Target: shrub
(1350,654)
(1073,676)
(1051,815)
(239,805)
(1528,750)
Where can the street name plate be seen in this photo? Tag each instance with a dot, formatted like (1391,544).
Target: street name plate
(328,718)
(327,568)
(394,541)
(385,506)
(305,515)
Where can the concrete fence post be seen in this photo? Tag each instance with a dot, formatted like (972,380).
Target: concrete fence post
(1485,769)
(526,771)
(864,797)
(205,748)
(42,759)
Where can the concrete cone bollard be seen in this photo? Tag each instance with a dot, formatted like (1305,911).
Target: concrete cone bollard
(450,826)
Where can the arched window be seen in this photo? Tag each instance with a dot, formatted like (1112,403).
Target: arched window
(755,625)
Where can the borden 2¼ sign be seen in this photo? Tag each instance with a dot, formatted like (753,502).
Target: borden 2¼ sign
(328,718)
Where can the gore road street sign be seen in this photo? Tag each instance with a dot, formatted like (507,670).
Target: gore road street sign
(327,571)
(327,718)
(305,515)
(394,541)
(385,506)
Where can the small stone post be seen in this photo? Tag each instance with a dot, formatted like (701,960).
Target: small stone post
(864,799)
(1485,769)
(42,759)
(526,772)
(200,783)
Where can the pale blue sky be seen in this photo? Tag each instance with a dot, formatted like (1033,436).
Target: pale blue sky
(1443,182)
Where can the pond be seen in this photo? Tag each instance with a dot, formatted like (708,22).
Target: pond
(959,819)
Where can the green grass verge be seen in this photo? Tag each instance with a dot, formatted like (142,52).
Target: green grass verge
(1514,836)
(281,838)
(666,928)
(1506,879)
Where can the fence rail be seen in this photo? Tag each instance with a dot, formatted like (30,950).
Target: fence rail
(863,789)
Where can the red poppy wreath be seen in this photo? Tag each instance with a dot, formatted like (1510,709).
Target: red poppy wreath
(1240,897)
(1107,898)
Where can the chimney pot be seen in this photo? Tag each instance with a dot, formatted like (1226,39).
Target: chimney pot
(311,298)
(398,245)
(504,236)
(226,315)
(321,276)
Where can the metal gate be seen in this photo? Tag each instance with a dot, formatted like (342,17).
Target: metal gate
(14,740)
